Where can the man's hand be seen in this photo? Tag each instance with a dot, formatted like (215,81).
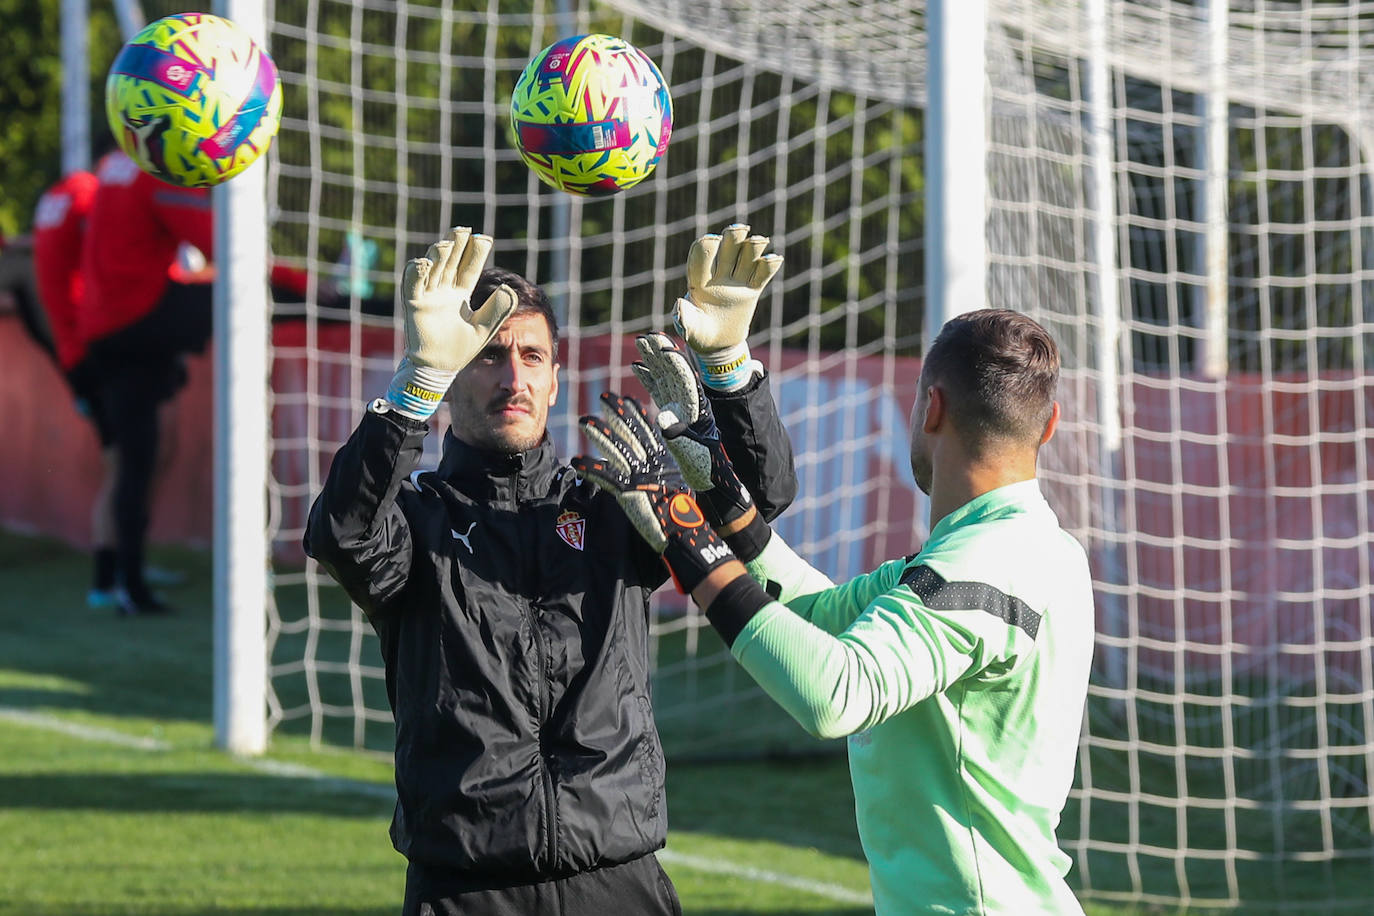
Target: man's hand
(726,273)
(636,470)
(442,331)
(689,428)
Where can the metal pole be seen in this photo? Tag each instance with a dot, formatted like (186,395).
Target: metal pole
(560,216)
(1107,324)
(76,96)
(241,443)
(1215,150)
(130,16)
(955,152)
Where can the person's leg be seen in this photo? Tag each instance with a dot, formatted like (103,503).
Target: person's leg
(104,582)
(83,380)
(134,393)
(158,576)
(139,370)
(136,439)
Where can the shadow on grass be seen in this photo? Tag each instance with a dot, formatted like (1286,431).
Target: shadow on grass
(200,910)
(193,792)
(160,668)
(816,808)
(120,666)
(337,911)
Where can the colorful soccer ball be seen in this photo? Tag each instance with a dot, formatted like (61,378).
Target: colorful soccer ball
(193,99)
(591,115)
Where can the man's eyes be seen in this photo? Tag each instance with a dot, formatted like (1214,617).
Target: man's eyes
(532,357)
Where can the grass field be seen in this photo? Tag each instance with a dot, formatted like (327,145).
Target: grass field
(113,800)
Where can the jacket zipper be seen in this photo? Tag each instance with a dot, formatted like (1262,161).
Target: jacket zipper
(545,763)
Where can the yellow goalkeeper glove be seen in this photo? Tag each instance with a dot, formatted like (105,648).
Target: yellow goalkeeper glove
(442,331)
(726,273)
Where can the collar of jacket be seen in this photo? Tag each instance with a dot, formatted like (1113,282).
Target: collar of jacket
(498,476)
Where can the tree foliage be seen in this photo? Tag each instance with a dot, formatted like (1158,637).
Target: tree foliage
(32,81)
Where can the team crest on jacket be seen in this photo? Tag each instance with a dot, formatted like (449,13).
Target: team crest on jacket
(571,527)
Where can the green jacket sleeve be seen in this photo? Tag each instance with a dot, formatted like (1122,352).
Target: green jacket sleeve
(896,650)
(810,594)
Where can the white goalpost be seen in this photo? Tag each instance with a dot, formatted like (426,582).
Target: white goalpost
(242,444)
(1182,192)
(955,163)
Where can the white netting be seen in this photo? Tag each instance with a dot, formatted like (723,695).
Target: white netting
(395,128)
(1227,755)
(1230,739)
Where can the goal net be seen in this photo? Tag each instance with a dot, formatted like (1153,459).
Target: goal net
(1181,192)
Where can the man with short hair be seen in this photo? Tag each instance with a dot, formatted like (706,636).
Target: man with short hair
(511,598)
(958,674)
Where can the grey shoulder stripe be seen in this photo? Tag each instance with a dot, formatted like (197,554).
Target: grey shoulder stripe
(940,595)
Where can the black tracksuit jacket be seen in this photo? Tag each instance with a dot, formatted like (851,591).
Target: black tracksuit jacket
(511,602)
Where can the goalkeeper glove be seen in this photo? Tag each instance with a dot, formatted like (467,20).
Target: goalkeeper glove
(689,427)
(725,275)
(442,332)
(636,470)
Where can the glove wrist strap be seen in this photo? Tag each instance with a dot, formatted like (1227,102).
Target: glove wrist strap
(734,606)
(749,541)
(729,369)
(719,507)
(417,391)
(692,561)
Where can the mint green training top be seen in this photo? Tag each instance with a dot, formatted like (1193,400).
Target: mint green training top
(959,677)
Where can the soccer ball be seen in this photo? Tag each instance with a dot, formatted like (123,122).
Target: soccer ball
(193,99)
(591,115)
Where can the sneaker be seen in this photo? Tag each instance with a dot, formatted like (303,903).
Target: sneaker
(163,577)
(102,599)
(147,606)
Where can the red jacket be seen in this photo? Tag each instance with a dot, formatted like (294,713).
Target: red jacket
(132,234)
(59,224)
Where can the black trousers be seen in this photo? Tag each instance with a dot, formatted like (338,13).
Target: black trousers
(131,373)
(638,888)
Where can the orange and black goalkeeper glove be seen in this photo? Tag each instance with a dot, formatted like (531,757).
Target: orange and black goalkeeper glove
(637,470)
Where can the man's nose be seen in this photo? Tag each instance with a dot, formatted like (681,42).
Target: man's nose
(514,373)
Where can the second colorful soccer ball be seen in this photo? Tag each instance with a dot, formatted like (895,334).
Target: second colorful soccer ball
(591,115)
(193,99)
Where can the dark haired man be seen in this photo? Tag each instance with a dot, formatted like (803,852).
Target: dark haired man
(511,602)
(958,674)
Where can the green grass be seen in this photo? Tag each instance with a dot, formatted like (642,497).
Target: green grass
(114,801)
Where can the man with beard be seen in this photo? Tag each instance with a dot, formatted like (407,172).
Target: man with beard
(511,598)
(958,674)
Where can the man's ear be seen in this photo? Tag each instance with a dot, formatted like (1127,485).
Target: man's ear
(553,390)
(1051,426)
(935,410)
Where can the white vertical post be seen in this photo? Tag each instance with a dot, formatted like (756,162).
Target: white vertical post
(1215,151)
(76,82)
(560,217)
(1107,319)
(955,153)
(130,16)
(241,443)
